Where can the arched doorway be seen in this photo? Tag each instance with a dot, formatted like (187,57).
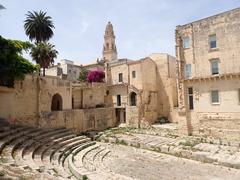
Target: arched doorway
(133,99)
(56,102)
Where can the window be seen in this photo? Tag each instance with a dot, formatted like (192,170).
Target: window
(239,95)
(120,77)
(133,99)
(188,71)
(186,42)
(190,98)
(215,96)
(213,41)
(118,100)
(215,66)
(133,74)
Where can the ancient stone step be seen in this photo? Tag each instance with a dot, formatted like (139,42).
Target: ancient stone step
(28,153)
(78,170)
(8,151)
(47,155)
(98,159)
(38,155)
(11,137)
(11,131)
(28,146)
(17,151)
(89,157)
(56,155)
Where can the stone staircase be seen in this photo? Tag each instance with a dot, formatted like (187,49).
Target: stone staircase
(57,152)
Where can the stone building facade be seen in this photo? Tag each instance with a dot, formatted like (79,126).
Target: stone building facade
(68,70)
(208,54)
(142,90)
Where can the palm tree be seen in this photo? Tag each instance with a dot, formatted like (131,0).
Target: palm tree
(38,26)
(44,54)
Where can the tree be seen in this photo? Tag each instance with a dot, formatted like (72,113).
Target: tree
(44,54)
(95,76)
(38,26)
(83,74)
(12,64)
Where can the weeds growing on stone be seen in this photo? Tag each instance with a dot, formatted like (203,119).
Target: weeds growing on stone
(84,177)
(122,142)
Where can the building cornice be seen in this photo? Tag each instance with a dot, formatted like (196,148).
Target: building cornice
(228,76)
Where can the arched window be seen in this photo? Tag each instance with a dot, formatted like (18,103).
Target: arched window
(133,99)
(56,102)
(107,46)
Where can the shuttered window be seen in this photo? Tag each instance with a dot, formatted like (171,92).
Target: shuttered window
(188,71)
(120,77)
(215,66)
(186,42)
(213,41)
(215,97)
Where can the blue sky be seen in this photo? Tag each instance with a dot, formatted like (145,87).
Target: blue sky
(141,27)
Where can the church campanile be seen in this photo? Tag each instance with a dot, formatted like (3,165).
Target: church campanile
(109,46)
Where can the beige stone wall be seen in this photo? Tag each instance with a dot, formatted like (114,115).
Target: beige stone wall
(21,105)
(115,70)
(32,96)
(91,95)
(80,120)
(137,81)
(94,96)
(51,86)
(133,116)
(119,90)
(166,85)
(225,115)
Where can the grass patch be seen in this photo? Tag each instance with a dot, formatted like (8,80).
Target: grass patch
(84,177)
(189,143)
(121,142)
(2,173)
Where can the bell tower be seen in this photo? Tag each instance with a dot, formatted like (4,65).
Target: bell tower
(109,46)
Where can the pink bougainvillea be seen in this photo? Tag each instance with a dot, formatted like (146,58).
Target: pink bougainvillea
(95,76)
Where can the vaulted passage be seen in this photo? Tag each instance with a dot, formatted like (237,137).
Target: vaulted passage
(133,99)
(56,102)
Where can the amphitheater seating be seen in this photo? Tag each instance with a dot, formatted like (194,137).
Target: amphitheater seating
(58,152)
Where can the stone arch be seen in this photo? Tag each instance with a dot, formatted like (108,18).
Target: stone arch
(133,99)
(56,102)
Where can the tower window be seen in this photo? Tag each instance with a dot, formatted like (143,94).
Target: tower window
(120,77)
(133,74)
(107,46)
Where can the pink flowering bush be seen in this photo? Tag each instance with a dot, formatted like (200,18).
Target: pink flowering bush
(95,76)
